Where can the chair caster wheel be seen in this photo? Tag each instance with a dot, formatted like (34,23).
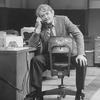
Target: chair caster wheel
(60,98)
(80,97)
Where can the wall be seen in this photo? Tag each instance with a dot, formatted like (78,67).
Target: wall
(69,4)
(94,18)
(13,16)
(93,22)
(62,4)
(20,17)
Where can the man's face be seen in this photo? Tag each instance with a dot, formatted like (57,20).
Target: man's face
(46,16)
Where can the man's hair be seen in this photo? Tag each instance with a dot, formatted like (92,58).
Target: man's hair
(43,8)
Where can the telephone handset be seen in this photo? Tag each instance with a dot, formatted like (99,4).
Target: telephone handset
(39,25)
(40,22)
(39,19)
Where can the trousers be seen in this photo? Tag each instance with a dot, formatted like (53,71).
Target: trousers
(41,62)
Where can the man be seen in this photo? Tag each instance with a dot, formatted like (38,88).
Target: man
(61,26)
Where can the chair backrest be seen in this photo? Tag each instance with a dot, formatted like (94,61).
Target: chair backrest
(26,32)
(57,49)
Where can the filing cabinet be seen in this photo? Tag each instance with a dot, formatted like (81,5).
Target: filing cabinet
(97,50)
(90,57)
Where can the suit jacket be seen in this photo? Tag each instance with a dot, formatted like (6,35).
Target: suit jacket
(64,27)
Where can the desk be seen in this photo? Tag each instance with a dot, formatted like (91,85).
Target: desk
(13,67)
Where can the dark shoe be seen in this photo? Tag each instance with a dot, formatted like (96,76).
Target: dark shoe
(77,98)
(79,95)
(31,96)
(39,98)
(35,95)
(39,95)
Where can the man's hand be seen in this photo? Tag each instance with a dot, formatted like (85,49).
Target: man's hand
(82,60)
(38,25)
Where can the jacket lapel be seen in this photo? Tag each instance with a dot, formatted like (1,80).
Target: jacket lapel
(57,27)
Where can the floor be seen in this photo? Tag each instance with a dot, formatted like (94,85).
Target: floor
(92,85)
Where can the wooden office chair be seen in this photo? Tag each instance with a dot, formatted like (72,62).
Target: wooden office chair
(26,33)
(59,48)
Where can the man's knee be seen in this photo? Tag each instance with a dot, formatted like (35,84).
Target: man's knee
(36,58)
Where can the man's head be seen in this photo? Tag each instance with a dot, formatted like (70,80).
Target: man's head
(45,12)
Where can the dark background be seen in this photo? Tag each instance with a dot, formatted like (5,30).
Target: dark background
(17,18)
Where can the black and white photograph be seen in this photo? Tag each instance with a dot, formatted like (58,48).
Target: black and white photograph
(49,49)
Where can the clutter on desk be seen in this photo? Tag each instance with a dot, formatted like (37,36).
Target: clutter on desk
(10,41)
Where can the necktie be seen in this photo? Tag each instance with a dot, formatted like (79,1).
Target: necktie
(52,29)
(50,32)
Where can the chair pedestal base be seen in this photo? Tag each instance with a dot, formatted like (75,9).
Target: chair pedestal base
(62,92)
(61,86)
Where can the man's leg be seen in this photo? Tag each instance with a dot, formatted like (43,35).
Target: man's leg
(37,66)
(80,77)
